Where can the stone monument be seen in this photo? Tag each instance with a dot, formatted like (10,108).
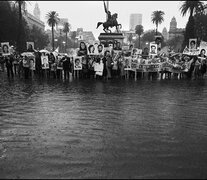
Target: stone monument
(109,38)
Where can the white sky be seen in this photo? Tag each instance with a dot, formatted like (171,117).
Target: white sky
(86,14)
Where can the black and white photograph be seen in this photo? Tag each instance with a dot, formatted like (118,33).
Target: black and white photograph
(103,89)
(192,44)
(77,61)
(153,49)
(5,48)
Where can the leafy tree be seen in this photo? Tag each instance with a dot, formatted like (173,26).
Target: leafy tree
(21,6)
(40,38)
(52,20)
(192,7)
(157,18)
(139,31)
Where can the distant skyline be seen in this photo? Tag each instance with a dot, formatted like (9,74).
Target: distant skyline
(86,14)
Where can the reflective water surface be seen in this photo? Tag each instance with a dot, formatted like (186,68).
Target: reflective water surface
(103,129)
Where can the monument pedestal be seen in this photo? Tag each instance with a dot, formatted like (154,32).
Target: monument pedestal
(110,38)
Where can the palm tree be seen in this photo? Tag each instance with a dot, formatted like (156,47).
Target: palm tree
(139,30)
(21,5)
(191,6)
(66,29)
(157,18)
(52,20)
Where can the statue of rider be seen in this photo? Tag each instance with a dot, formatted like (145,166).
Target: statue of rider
(109,17)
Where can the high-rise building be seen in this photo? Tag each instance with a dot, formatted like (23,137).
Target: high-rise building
(135,19)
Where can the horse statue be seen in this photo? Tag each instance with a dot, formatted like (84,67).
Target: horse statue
(110,23)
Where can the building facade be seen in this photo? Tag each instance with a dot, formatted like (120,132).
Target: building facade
(174,31)
(165,34)
(135,19)
(34,20)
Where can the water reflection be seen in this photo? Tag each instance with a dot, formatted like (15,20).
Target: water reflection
(103,129)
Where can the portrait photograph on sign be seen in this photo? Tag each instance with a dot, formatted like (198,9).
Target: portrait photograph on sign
(192,44)
(44,61)
(153,49)
(100,49)
(77,62)
(32,63)
(91,49)
(203,48)
(5,48)
(30,46)
(127,63)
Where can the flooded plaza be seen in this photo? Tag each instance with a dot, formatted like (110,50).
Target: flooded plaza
(103,129)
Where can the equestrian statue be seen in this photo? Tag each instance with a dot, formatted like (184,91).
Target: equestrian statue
(111,21)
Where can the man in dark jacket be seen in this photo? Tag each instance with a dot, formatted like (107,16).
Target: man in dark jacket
(9,65)
(66,67)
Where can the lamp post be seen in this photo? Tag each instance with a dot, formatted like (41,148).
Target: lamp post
(64,45)
(56,42)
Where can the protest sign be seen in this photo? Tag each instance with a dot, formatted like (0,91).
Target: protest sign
(203,48)
(26,62)
(30,45)
(5,49)
(44,62)
(127,63)
(77,62)
(192,44)
(153,49)
(32,63)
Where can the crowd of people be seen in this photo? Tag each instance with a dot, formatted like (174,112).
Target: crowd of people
(112,63)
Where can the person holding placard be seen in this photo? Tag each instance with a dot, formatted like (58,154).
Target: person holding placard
(9,66)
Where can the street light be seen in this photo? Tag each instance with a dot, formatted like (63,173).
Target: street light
(64,45)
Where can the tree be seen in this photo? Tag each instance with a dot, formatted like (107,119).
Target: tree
(21,6)
(157,18)
(66,30)
(52,20)
(149,36)
(39,37)
(139,31)
(192,7)
(201,27)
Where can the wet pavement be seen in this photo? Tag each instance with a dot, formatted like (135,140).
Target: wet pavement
(103,129)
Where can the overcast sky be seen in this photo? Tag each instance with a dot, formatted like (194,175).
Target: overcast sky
(86,14)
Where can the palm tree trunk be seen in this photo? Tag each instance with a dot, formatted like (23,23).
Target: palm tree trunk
(20,28)
(139,42)
(66,42)
(53,38)
(156,28)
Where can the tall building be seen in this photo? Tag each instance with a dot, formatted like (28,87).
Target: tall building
(174,31)
(165,34)
(135,19)
(36,11)
(34,20)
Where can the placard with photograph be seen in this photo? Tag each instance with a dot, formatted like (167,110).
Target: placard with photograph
(26,62)
(127,63)
(5,49)
(91,49)
(77,62)
(203,48)
(30,45)
(32,63)
(153,49)
(192,44)
(44,62)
